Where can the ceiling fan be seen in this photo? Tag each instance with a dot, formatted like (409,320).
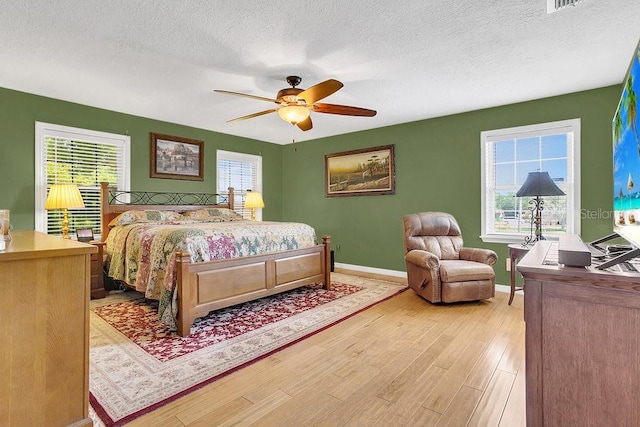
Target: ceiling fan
(296,104)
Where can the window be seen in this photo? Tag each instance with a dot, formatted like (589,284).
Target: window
(242,172)
(508,155)
(85,157)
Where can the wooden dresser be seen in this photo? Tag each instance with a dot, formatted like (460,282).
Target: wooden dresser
(582,343)
(44,331)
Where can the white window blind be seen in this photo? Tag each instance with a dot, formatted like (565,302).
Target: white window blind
(83,157)
(242,172)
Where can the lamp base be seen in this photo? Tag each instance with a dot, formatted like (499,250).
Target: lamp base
(65,225)
(536,221)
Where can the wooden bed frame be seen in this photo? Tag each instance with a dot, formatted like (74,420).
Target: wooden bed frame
(206,286)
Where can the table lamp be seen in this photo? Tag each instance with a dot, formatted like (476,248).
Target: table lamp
(538,184)
(64,196)
(252,201)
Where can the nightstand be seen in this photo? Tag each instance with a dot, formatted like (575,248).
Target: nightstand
(97,279)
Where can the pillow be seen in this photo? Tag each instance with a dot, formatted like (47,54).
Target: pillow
(205,214)
(133,217)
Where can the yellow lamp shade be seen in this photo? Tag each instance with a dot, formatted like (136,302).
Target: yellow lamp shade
(252,201)
(64,196)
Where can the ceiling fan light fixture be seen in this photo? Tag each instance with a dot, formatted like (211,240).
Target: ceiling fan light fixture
(295,104)
(293,114)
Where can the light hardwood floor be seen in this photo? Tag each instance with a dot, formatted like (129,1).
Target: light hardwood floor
(403,362)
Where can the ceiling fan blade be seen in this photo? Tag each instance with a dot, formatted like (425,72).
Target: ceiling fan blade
(259,98)
(319,91)
(250,116)
(305,124)
(343,110)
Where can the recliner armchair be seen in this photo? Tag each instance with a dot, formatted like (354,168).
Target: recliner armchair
(439,268)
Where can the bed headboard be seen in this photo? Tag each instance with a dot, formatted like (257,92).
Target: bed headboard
(114,202)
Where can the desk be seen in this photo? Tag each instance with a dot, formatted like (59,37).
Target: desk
(581,343)
(516,252)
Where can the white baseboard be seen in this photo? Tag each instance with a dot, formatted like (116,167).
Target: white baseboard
(396,273)
(373,270)
(503,288)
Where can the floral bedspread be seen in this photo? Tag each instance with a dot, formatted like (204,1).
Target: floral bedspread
(143,254)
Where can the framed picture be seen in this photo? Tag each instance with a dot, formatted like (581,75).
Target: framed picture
(173,157)
(84,234)
(369,171)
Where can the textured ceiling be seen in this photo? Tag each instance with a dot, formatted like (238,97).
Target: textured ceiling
(408,60)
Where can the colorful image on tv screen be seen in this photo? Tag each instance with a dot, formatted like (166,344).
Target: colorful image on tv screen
(626,156)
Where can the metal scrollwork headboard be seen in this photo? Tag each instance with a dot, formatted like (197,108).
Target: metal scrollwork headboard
(113,202)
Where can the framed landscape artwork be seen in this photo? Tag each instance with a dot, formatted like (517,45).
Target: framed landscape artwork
(368,171)
(173,157)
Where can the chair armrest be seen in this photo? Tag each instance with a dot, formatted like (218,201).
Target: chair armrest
(485,256)
(423,259)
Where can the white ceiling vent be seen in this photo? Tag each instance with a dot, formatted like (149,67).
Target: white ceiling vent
(556,5)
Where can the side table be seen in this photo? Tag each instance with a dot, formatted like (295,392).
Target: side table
(97,281)
(516,251)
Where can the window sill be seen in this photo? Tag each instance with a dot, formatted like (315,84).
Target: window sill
(510,238)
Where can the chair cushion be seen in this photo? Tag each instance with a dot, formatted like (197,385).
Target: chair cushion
(467,291)
(462,271)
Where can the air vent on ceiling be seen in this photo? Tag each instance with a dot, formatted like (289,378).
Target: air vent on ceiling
(556,5)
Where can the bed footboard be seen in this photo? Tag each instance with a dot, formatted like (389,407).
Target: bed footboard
(206,286)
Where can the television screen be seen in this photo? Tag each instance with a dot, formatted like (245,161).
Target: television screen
(626,156)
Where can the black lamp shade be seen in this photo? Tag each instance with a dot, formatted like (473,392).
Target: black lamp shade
(539,184)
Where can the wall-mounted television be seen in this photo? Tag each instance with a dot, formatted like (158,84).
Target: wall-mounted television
(626,161)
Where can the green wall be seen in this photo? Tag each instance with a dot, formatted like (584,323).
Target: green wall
(19,111)
(437,168)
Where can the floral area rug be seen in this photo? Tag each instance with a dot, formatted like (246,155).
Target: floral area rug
(138,365)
